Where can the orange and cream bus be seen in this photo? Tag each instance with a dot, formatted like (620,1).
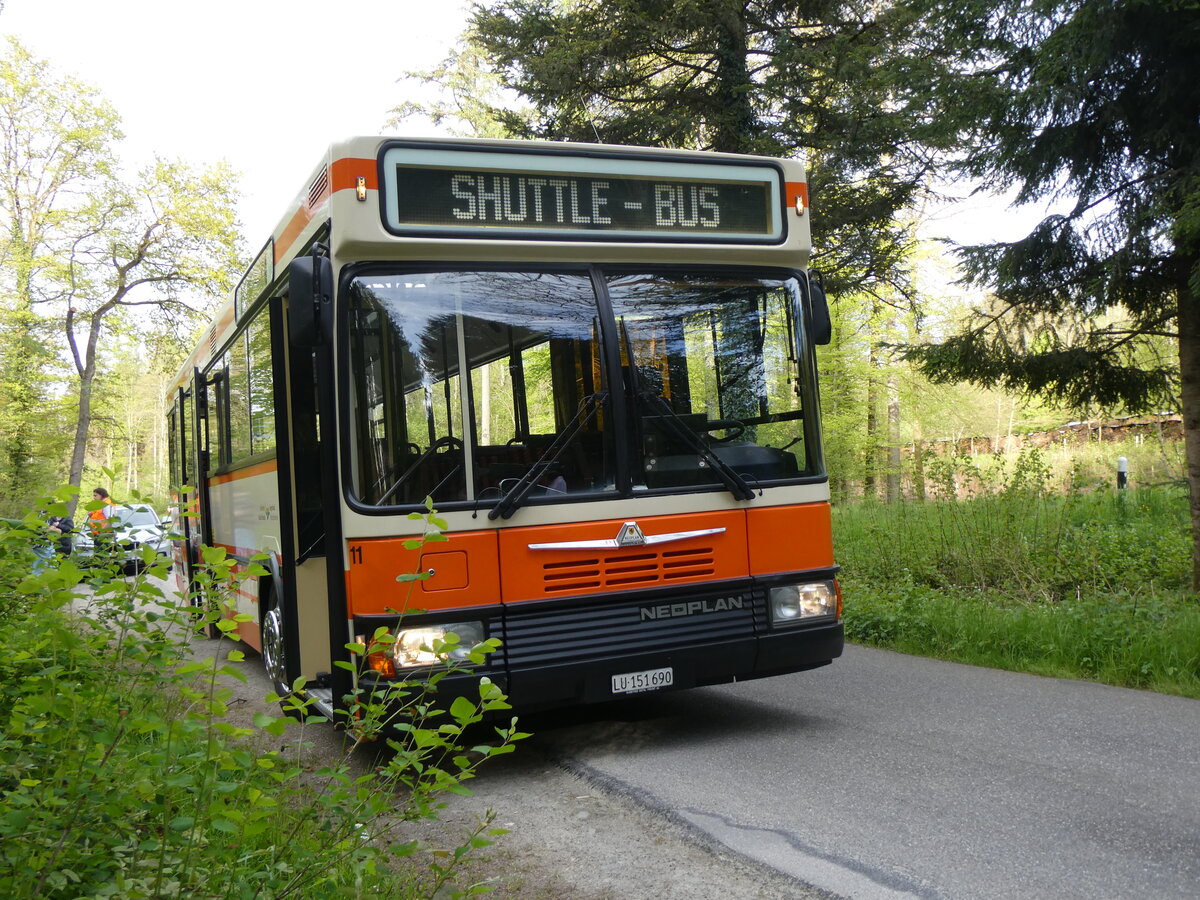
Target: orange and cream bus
(597,362)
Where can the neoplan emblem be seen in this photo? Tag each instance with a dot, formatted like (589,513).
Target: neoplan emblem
(630,535)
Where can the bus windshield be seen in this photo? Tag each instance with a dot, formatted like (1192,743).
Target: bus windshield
(710,385)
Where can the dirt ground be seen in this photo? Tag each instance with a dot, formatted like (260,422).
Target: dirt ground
(570,837)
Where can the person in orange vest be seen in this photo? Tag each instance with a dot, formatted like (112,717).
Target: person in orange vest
(98,518)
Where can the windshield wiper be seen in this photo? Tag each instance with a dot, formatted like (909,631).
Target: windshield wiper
(588,407)
(732,480)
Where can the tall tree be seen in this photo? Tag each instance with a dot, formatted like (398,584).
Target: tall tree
(1093,100)
(55,142)
(827,78)
(85,253)
(167,250)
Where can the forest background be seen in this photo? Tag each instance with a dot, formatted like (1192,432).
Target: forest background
(107,274)
(1089,107)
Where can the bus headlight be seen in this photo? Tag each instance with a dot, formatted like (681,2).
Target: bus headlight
(792,603)
(429,645)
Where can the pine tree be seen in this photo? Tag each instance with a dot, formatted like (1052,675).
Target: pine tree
(833,81)
(1093,100)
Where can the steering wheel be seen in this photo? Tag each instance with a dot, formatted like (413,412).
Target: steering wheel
(735,427)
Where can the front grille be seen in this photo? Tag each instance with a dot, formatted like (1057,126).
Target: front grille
(545,634)
(642,568)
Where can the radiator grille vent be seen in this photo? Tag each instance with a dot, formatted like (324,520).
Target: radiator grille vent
(644,568)
(630,625)
(319,190)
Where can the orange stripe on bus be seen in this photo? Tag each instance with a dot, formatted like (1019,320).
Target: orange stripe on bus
(291,231)
(251,634)
(226,319)
(794,189)
(262,468)
(344,174)
(466,569)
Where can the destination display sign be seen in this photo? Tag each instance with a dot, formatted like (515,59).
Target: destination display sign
(545,196)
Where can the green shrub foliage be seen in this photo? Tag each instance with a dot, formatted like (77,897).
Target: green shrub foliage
(123,775)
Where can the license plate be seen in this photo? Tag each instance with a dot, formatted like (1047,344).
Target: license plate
(650,680)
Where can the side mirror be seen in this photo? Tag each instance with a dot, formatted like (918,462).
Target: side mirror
(822,324)
(310,295)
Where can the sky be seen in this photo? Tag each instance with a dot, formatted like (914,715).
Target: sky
(263,84)
(267,84)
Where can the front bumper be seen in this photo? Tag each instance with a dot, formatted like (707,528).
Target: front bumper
(717,663)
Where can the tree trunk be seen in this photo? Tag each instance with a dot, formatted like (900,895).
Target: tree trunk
(1012,415)
(870,483)
(734,116)
(999,419)
(893,473)
(1189,378)
(83,422)
(918,463)
(86,369)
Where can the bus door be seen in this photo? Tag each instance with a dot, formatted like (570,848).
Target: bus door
(183,443)
(205,434)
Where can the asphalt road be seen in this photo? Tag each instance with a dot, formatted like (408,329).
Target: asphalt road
(880,776)
(888,776)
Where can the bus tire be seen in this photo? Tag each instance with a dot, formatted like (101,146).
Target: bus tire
(274,659)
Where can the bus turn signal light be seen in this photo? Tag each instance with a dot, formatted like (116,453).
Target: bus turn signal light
(381,661)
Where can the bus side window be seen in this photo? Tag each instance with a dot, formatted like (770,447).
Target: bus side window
(238,392)
(261,387)
(539,388)
(216,424)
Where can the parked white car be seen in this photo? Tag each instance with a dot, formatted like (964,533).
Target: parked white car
(134,528)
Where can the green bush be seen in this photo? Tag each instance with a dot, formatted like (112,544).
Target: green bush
(121,775)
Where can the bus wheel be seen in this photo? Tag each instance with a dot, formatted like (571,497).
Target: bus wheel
(272,649)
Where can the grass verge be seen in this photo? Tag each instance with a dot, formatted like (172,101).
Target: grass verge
(1084,585)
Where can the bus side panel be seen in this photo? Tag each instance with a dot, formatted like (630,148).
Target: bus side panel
(790,538)
(465,572)
(245,521)
(312,615)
